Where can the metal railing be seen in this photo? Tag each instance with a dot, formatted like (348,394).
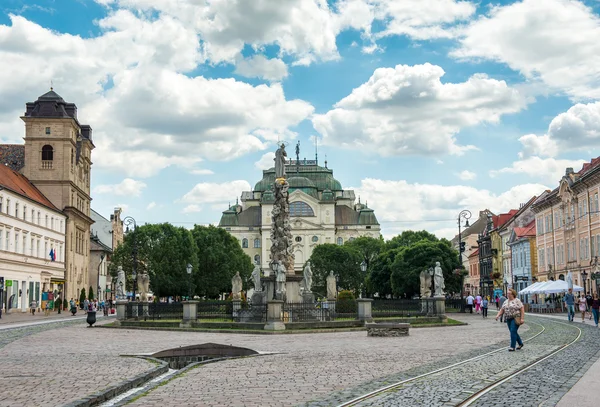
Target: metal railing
(456,304)
(154,310)
(310,312)
(396,307)
(215,309)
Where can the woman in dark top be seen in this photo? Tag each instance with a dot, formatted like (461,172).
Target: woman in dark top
(595,308)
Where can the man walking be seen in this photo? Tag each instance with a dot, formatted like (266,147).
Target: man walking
(501,302)
(470,300)
(570,301)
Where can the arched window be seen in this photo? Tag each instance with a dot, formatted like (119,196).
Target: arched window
(47,153)
(340,241)
(257,259)
(300,208)
(351,239)
(257,243)
(244,243)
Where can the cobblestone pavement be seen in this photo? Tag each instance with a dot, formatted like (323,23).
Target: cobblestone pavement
(71,361)
(315,365)
(451,386)
(546,383)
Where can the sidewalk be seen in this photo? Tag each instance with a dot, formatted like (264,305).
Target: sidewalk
(19,319)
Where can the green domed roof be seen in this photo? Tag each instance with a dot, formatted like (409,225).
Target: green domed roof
(300,182)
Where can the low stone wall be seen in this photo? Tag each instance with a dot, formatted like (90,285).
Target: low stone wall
(387,329)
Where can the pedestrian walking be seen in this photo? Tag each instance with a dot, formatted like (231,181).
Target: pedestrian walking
(595,308)
(497,303)
(569,300)
(484,307)
(514,314)
(47,308)
(470,301)
(588,300)
(33,307)
(582,307)
(501,301)
(478,303)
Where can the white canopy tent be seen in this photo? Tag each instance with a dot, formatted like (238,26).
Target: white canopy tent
(529,289)
(540,289)
(560,286)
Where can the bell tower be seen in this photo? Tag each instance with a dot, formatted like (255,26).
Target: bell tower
(58,162)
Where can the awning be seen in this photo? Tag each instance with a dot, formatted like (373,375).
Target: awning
(57,280)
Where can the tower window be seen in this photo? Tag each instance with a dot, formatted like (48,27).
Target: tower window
(340,241)
(47,153)
(47,130)
(301,209)
(244,243)
(257,243)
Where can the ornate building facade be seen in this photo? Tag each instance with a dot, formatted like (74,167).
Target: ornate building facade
(56,159)
(321,211)
(568,227)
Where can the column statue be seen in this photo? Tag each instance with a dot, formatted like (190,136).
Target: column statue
(331,286)
(438,278)
(425,278)
(236,286)
(280,277)
(121,284)
(256,278)
(143,286)
(280,159)
(308,275)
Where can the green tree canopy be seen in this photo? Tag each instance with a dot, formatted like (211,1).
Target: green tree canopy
(91,293)
(345,263)
(410,237)
(220,256)
(419,256)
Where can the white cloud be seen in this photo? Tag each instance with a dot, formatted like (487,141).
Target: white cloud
(554,41)
(408,110)
(577,128)
(466,175)
(127,187)
(192,209)
(202,172)
(151,205)
(534,145)
(400,205)
(548,170)
(217,194)
(266,161)
(260,67)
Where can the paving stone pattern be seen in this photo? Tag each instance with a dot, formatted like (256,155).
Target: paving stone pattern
(451,386)
(546,383)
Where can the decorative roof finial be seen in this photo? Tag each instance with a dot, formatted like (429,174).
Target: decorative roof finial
(51,84)
(236,201)
(359,199)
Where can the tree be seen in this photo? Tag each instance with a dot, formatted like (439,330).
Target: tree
(381,272)
(345,263)
(91,293)
(419,256)
(163,251)
(368,249)
(410,237)
(82,297)
(220,257)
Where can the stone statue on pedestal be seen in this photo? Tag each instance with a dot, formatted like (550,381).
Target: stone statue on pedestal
(280,159)
(256,278)
(308,275)
(143,286)
(425,278)
(280,277)
(236,286)
(121,284)
(331,286)
(438,279)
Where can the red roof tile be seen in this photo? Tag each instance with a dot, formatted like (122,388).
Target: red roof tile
(19,184)
(594,162)
(475,253)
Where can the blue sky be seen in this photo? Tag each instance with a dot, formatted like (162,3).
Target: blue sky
(420,106)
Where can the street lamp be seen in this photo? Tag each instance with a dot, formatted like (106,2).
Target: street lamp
(129,221)
(363,268)
(189,271)
(584,275)
(466,215)
(274,265)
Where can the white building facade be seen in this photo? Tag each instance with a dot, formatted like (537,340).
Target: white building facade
(320,212)
(30,229)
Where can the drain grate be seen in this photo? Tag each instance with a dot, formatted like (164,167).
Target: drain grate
(178,358)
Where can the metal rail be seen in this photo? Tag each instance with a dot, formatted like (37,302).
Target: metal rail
(474,397)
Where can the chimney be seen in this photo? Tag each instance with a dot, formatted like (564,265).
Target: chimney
(569,171)
(490,224)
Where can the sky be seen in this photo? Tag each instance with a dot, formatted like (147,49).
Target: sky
(423,107)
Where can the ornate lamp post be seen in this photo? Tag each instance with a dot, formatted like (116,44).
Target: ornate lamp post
(129,221)
(363,268)
(274,268)
(584,275)
(189,272)
(596,274)
(466,215)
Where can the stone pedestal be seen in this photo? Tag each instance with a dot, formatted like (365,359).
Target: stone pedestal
(439,305)
(190,313)
(308,298)
(269,287)
(143,310)
(274,322)
(365,309)
(292,288)
(237,306)
(121,309)
(259,298)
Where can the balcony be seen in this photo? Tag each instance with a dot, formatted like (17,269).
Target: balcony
(46,164)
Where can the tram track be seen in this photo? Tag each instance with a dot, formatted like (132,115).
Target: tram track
(476,395)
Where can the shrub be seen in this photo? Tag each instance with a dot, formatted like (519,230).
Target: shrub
(346,295)
(82,297)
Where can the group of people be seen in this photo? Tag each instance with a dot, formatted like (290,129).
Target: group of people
(480,304)
(585,304)
(90,306)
